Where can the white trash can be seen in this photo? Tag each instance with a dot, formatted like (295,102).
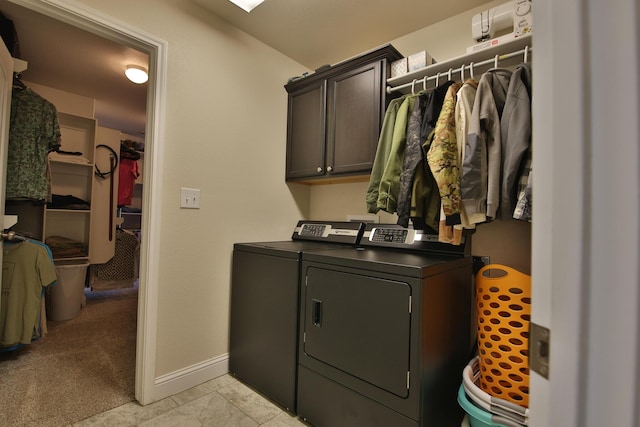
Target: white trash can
(66,297)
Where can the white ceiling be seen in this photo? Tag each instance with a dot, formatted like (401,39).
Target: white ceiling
(312,32)
(66,58)
(318,32)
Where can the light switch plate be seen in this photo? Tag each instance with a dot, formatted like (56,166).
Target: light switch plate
(190,198)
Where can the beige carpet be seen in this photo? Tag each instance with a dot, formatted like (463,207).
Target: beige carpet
(83,366)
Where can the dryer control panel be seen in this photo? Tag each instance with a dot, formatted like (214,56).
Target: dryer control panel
(396,236)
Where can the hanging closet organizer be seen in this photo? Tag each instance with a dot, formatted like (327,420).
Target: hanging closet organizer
(469,65)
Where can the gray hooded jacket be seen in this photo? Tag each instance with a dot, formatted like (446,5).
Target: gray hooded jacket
(482,165)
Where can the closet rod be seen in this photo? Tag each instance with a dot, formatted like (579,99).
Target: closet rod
(461,70)
(12,236)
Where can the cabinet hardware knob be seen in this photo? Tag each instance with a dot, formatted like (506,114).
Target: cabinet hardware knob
(329,169)
(319,170)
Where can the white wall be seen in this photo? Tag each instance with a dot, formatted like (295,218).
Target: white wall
(65,102)
(225,134)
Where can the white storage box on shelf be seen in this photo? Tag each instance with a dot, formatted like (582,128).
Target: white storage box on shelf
(66,297)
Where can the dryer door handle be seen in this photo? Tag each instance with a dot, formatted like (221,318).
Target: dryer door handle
(316,312)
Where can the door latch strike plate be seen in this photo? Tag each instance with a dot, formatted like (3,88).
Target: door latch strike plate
(539,338)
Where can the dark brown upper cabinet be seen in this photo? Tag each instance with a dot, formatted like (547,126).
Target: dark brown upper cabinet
(334,117)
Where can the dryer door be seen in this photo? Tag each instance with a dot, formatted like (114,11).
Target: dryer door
(359,325)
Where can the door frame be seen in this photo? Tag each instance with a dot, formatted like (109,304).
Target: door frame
(103,25)
(586,234)
(6,81)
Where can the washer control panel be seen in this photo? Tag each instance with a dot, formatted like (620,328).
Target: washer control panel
(338,232)
(314,230)
(392,235)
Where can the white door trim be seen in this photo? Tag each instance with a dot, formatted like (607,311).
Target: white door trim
(6,81)
(94,21)
(586,233)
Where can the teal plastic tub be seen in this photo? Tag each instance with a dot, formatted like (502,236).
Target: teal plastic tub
(479,417)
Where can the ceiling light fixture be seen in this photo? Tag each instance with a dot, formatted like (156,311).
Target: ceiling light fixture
(247,5)
(136,74)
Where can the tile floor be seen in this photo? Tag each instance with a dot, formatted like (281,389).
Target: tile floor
(221,402)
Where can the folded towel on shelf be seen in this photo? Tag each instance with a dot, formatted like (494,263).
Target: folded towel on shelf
(63,247)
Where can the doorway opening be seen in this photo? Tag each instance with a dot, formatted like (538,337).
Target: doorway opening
(107,27)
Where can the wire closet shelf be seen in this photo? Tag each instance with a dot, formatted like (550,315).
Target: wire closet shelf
(462,66)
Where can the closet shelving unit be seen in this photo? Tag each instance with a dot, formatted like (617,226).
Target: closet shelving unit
(504,54)
(72,178)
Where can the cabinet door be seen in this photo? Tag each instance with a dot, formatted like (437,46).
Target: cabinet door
(353,114)
(306,132)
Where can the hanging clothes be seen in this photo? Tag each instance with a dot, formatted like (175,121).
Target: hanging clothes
(482,165)
(412,158)
(42,321)
(515,128)
(464,107)
(26,269)
(400,178)
(474,163)
(128,172)
(524,205)
(382,154)
(425,197)
(442,158)
(428,109)
(390,181)
(127,180)
(33,132)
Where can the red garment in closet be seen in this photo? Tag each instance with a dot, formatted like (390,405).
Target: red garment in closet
(127,180)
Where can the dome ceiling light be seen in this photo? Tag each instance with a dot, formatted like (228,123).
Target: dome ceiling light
(136,74)
(247,5)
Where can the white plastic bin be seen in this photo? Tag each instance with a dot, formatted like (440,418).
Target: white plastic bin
(66,297)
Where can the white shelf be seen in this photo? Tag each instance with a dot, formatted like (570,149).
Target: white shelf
(10,221)
(19,65)
(72,260)
(456,63)
(85,211)
(72,177)
(66,162)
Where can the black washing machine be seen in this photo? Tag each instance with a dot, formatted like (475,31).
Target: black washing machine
(263,341)
(384,331)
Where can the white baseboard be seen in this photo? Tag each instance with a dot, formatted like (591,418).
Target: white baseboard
(191,376)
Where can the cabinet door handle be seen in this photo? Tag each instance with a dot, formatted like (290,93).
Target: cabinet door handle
(316,312)
(329,169)
(319,170)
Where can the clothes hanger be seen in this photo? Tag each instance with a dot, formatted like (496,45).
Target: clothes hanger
(413,87)
(473,76)
(424,83)
(495,63)
(17,83)
(12,237)
(526,53)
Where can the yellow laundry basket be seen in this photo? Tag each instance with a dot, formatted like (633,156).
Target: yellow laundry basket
(503,298)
